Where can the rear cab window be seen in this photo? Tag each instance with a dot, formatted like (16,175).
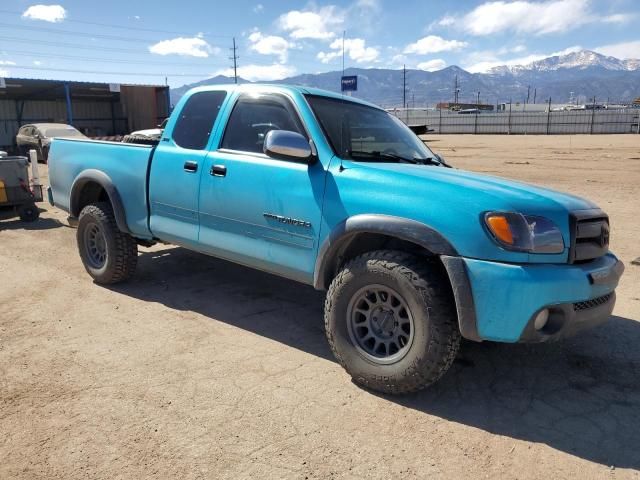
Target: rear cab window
(197,119)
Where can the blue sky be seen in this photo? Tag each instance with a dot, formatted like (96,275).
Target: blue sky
(146,41)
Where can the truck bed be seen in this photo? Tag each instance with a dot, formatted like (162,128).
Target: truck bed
(124,163)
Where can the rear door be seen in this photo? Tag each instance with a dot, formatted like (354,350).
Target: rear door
(177,164)
(257,210)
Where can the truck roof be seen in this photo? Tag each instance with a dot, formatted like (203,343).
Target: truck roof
(258,87)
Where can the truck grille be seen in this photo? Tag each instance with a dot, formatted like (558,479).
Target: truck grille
(593,303)
(589,235)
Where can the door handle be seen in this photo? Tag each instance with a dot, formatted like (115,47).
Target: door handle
(218,171)
(190,166)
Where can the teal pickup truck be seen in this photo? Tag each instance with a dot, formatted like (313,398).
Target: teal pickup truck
(338,194)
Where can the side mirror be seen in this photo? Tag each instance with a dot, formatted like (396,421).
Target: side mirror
(286,145)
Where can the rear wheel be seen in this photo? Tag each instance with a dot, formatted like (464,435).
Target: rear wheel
(109,255)
(29,212)
(390,320)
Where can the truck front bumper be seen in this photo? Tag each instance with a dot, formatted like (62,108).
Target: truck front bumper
(505,299)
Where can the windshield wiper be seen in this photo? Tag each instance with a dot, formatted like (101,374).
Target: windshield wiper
(393,156)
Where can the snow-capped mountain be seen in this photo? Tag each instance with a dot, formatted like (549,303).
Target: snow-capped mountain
(580,75)
(581,60)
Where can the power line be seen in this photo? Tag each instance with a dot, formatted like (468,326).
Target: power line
(169,62)
(148,74)
(124,27)
(57,31)
(70,45)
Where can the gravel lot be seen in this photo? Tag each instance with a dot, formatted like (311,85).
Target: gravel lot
(203,369)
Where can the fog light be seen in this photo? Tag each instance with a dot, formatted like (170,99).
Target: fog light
(541,319)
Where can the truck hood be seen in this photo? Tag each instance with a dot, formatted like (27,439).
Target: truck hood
(452,202)
(506,194)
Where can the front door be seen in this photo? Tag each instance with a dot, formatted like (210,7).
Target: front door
(177,164)
(257,210)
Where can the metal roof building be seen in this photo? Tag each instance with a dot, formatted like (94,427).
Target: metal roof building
(96,109)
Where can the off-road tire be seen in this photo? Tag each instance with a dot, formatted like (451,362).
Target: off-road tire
(29,212)
(121,248)
(426,289)
(140,140)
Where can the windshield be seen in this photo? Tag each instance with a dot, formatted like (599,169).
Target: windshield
(364,133)
(62,132)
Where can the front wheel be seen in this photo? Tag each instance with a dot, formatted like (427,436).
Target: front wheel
(391,322)
(109,255)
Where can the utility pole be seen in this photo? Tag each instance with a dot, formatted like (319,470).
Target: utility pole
(404,86)
(456,91)
(528,93)
(344,33)
(535,92)
(235,58)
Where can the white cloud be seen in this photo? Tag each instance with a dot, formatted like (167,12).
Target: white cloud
(481,62)
(47,13)
(446,21)
(276,71)
(365,16)
(530,17)
(259,8)
(191,47)
(314,24)
(7,62)
(619,18)
(270,45)
(432,65)
(354,48)
(4,72)
(37,63)
(527,17)
(623,50)
(433,44)
(399,59)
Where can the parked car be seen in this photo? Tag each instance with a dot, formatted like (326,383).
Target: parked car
(338,194)
(146,137)
(38,136)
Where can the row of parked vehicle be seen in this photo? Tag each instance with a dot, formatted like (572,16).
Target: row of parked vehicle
(38,137)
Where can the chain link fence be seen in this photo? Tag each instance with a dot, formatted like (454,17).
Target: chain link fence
(596,121)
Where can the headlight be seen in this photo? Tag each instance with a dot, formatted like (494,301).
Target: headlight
(524,233)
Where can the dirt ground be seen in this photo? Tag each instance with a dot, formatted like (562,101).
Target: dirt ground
(202,369)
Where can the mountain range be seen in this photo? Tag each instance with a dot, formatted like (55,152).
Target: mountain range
(573,77)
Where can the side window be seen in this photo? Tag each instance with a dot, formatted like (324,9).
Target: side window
(253,117)
(197,118)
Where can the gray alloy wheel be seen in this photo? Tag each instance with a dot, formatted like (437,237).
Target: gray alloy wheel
(109,255)
(391,321)
(381,325)
(95,245)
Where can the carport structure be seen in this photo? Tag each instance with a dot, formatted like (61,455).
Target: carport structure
(96,109)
